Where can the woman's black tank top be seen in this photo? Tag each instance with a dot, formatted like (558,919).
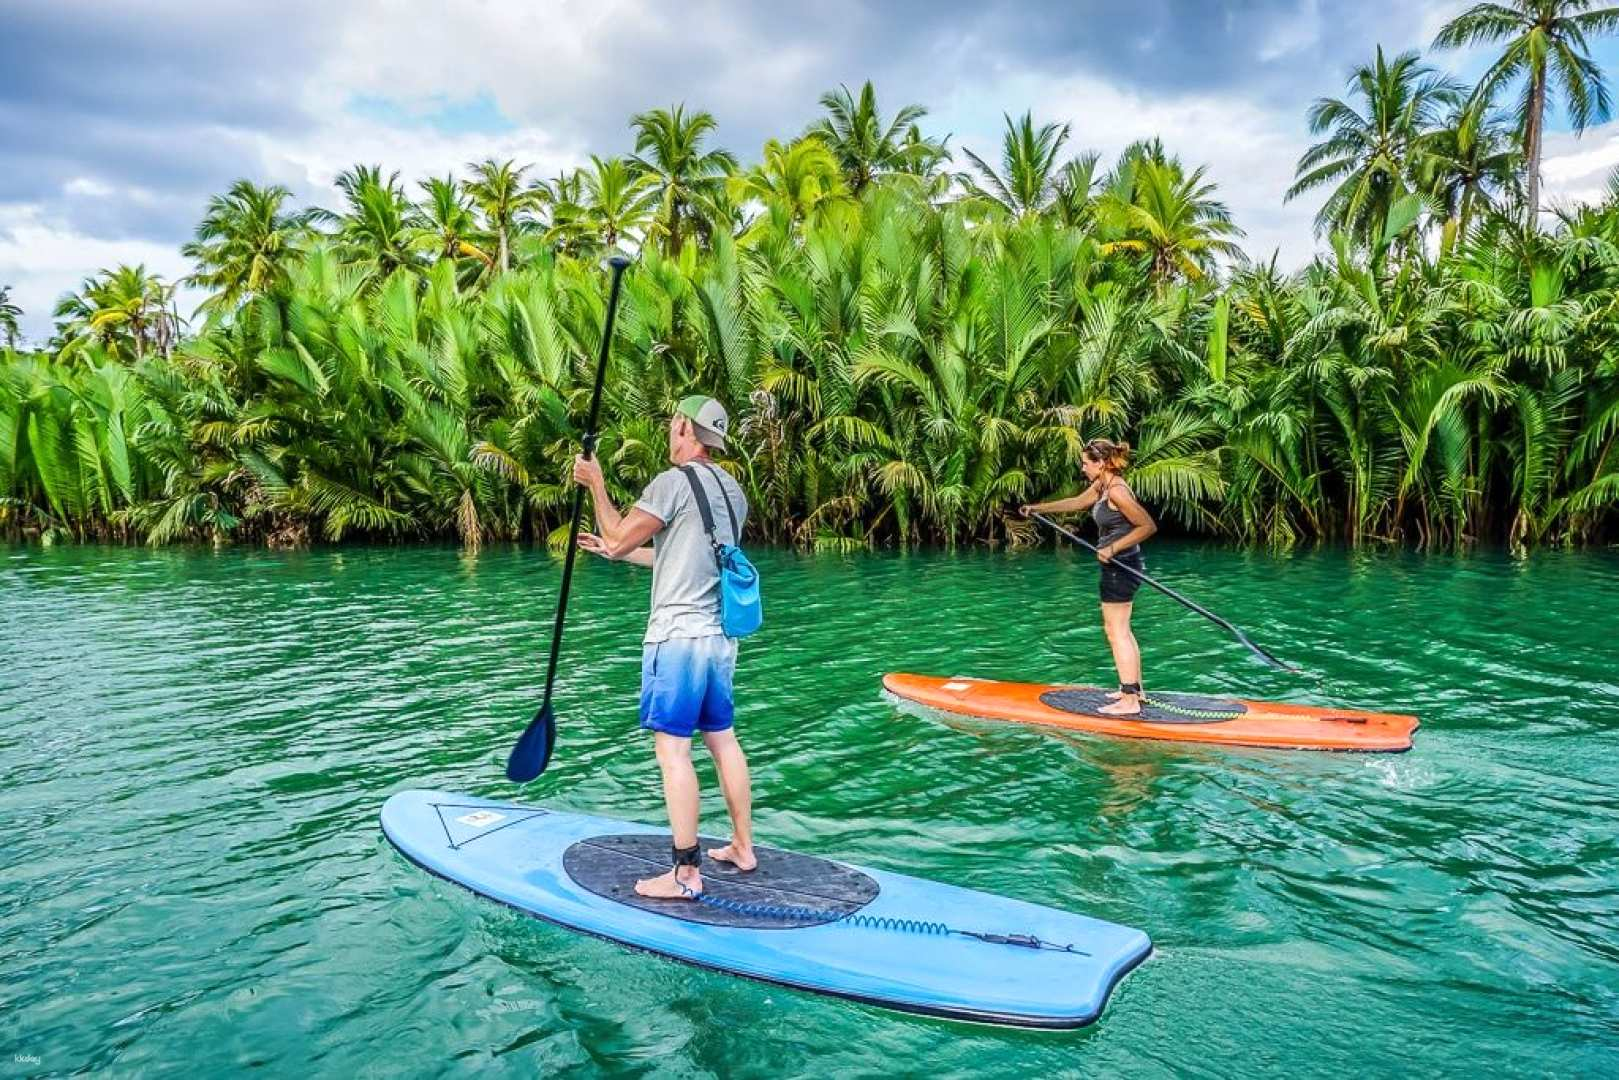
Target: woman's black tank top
(1111,525)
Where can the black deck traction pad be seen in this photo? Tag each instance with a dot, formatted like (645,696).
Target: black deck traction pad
(1088,701)
(609,866)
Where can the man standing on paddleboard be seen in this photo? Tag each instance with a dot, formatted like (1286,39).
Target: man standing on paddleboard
(687,662)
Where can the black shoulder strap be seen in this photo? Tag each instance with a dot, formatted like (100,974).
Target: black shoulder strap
(700,497)
(704,510)
(730,511)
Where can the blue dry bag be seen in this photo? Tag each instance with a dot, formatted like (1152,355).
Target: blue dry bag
(741,610)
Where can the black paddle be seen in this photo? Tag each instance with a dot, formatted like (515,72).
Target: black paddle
(533,750)
(1177,597)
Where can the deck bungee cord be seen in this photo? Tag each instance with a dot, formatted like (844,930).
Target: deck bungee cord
(874,922)
(1181,710)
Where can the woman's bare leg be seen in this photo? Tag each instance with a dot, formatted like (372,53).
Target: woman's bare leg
(1126,656)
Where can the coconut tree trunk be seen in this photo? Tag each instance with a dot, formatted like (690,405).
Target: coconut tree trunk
(1531,137)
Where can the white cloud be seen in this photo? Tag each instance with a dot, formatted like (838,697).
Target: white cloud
(1286,37)
(41,260)
(84,185)
(564,66)
(309,166)
(1577,170)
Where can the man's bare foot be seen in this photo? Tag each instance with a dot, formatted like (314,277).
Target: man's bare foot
(1114,695)
(1126,705)
(739,857)
(669,887)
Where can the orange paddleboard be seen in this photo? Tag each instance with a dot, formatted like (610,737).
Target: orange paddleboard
(1173,717)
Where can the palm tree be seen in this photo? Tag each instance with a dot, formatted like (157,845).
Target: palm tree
(1171,218)
(245,244)
(801,183)
(920,155)
(1028,178)
(685,177)
(376,230)
(618,201)
(497,191)
(9,315)
(1546,41)
(565,194)
(118,309)
(865,147)
(1468,159)
(1075,202)
(446,220)
(921,165)
(444,223)
(1369,154)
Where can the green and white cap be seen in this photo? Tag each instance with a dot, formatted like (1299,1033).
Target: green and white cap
(709,417)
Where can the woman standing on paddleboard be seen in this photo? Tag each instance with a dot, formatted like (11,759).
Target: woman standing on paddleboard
(1123,524)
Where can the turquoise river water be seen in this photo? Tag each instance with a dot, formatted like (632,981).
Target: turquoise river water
(196,744)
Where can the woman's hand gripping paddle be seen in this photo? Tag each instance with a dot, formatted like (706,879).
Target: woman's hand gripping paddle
(533,750)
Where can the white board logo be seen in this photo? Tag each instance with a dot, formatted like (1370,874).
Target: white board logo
(479,818)
(957,687)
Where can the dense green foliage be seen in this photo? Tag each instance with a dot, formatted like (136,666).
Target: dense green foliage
(909,353)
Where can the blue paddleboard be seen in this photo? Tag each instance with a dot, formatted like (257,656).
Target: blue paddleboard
(797,920)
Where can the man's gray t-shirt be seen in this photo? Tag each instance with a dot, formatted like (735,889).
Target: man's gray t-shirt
(685,579)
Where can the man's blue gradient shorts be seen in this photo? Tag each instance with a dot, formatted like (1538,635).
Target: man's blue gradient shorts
(686,685)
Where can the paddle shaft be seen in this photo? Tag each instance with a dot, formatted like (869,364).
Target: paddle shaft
(1173,595)
(618,263)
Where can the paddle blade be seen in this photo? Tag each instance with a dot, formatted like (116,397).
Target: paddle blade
(533,750)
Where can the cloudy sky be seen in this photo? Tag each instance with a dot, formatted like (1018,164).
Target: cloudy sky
(119,118)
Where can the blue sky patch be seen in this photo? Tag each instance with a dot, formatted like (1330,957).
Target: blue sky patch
(477,115)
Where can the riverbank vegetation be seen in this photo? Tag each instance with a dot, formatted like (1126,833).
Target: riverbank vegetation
(912,338)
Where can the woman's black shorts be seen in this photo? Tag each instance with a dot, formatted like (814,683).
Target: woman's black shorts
(1119,586)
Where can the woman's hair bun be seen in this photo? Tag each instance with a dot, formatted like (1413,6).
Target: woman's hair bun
(1115,455)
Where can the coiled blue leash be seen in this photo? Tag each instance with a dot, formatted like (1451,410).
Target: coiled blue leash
(872,922)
